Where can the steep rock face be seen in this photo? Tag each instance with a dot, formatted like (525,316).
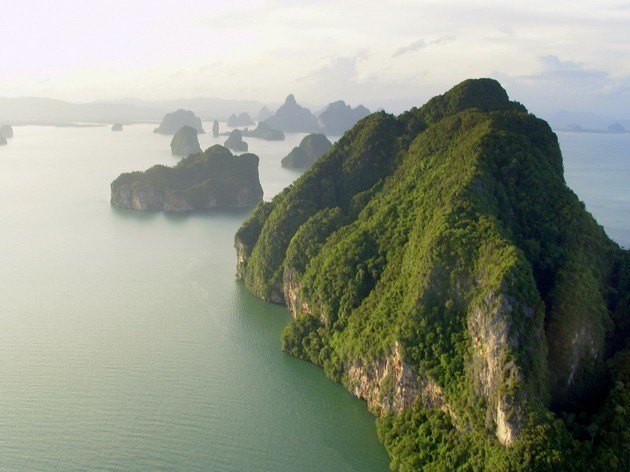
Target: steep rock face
(235,141)
(293,117)
(173,122)
(185,142)
(338,117)
(215,128)
(6,132)
(437,261)
(204,181)
(311,148)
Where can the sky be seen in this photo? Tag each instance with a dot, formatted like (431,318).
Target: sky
(549,55)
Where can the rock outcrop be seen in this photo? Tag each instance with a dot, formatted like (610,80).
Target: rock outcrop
(338,118)
(117,127)
(6,132)
(185,142)
(215,128)
(437,264)
(241,120)
(235,141)
(173,122)
(263,131)
(311,148)
(293,118)
(205,181)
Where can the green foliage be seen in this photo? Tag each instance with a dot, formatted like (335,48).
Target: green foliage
(450,233)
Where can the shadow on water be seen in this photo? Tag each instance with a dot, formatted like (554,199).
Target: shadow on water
(235,214)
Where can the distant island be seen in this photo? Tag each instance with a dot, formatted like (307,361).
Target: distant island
(215,128)
(437,265)
(241,120)
(263,131)
(185,142)
(209,180)
(264,113)
(172,122)
(311,148)
(3,141)
(235,141)
(293,117)
(6,132)
(338,118)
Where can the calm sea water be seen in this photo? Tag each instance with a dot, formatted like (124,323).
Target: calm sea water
(127,345)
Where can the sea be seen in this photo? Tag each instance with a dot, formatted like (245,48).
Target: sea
(126,342)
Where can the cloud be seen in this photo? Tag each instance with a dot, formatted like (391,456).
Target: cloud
(421,44)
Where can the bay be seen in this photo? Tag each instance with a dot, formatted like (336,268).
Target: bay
(127,344)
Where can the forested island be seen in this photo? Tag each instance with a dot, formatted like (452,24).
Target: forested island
(264,131)
(204,181)
(438,266)
(311,148)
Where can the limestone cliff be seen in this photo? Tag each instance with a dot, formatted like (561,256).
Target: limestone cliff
(437,265)
(203,181)
(185,142)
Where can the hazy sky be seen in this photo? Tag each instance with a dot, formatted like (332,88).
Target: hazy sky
(549,54)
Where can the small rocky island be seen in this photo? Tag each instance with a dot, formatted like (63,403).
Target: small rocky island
(235,141)
(241,120)
(215,128)
(214,179)
(117,127)
(172,122)
(293,118)
(338,117)
(311,148)
(185,142)
(263,131)
(6,132)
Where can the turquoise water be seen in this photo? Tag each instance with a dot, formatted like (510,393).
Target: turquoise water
(127,345)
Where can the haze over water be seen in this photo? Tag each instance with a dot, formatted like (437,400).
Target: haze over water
(127,344)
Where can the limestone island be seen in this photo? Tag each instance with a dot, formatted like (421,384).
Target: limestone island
(263,131)
(185,142)
(338,117)
(214,179)
(241,120)
(3,141)
(437,265)
(235,141)
(117,127)
(172,122)
(293,118)
(311,148)
(215,128)
(264,113)
(6,131)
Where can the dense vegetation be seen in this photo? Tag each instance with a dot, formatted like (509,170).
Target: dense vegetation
(211,179)
(312,147)
(437,265)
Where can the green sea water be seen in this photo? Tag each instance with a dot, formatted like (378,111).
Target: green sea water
(126,344)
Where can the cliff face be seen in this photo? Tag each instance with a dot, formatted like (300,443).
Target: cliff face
(436,263)
(173,122)
(204,181)
(185,142)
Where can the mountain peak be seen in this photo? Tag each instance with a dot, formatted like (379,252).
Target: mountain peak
(290,100)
